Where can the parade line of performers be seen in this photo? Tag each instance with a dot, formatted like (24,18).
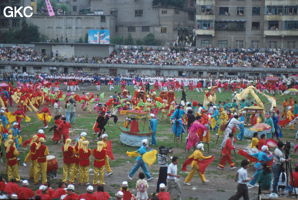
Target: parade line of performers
(192,118)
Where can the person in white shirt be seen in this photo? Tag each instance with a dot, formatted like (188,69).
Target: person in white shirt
(242,179)
(172,179)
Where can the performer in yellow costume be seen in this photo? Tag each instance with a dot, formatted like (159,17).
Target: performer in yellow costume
(197,157)
(68,161)
(41,166)
(12,162)
(99,154)
(107,160)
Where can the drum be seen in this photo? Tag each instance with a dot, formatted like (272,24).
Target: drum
(52,164)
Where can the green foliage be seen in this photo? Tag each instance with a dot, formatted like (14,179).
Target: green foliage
(55,4)
(27,34)
(147,40)
(86,38)
(129,40)
(150,40)
(117,40)
(169,3)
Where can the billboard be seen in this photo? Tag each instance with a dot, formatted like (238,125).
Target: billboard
(98,36)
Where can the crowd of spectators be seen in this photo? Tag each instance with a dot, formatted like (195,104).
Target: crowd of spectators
(268,58)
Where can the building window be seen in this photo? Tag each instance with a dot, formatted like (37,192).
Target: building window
(114,12)
(239,44)
(291,10)
(205,43)
(131,29)
(273,25)
(164,12)
(138,13)
(274,10)
(255,44)
(272,44)
(222,43)
(103,18)
(291,25)
(177,12)
(145,28)
(255,26)
(205,24)
(229,26)
(256,11)
(291,44)
(74,8)
(240,11)
(163,29)
(206,10)
(224,11)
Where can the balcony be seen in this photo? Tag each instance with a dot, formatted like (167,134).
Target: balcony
(272,33)
(205,17)
(205,2)
(205,32)
(280,2)
(281,17)
(282,33)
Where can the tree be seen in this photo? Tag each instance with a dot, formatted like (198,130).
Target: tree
(129,40)
(27,34)
(150,40)
(117,40)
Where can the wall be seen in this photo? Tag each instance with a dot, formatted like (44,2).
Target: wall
(74,28)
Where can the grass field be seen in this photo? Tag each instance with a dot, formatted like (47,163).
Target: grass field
(85,120)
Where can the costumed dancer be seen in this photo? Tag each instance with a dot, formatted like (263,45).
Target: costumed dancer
(99,154)
(226,153)
(140,162)
(15,132)
(269,121)
(193,137)
(199,163)
(262,156)
(12,161)
(57,129)
(231,125)
(84,161)
(77,147)
(153,126)
(109,153)
(177,124)
(31,157)
(65,126)
(101,121)
(45,116)
(68,161)
(41,165)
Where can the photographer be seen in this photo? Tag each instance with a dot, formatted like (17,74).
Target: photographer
(278,160)
(163,159)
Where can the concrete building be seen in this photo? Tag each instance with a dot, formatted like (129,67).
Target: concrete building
(247,23)
(71,28)
(139,18)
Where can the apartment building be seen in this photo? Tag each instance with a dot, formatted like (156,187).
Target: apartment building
(247,23)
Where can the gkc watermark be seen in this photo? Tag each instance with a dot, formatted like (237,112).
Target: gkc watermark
(15,11)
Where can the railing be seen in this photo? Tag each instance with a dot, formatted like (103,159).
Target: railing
(155,67)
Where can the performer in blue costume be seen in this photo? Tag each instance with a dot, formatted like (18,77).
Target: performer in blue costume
(140,163)
(262,157)
(277,129)
(153,127)
(177,125)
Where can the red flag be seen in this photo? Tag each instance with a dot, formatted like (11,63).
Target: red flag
(203,164)
(246,155)
(110,150)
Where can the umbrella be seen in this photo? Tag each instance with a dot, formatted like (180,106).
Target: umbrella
(271,143)
(3,85)
(260,127)
(291,90)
